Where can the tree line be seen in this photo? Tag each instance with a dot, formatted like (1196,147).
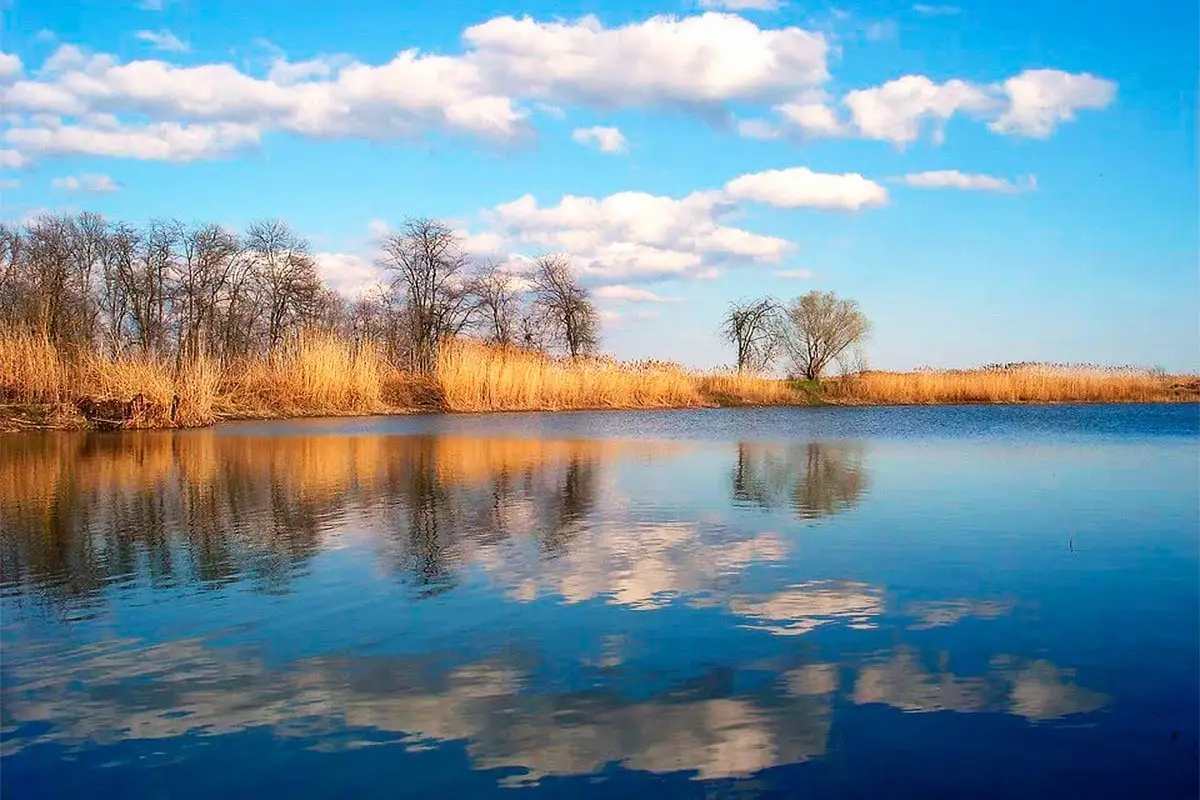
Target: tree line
(169,289)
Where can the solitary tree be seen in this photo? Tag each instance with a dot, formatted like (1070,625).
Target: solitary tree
(564,308)
(752,327)
(818,327)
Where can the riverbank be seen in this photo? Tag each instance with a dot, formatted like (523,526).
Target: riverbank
(321,375)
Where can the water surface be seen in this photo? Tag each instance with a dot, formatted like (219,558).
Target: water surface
(918,602)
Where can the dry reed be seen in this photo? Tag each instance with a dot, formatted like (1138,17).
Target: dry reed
(1038,384)
(319,374)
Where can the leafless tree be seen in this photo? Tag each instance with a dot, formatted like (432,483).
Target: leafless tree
(498,297)
(564,308)
(285,278)
(209,256)
(428,265)
(752,327)
(819,327)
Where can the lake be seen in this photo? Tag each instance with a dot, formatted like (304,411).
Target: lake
(918,602)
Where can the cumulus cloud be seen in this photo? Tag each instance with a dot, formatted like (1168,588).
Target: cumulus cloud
(811,120)
(953,179)
(91,184)
(350,274)
(637,237)
(701,60)
(631,295)
(163,40)
(795,274)
(9,183)
(10,66)
(66,57)
(899,110)
(11,159)
(801,187)
(509,68)
(1037,100)
(936,11)
(634,235)
(162,142)
(606,140)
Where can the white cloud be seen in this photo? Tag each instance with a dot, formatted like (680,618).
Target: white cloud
(953,179)
(163,40)
(151,5)
(11,159)
(606,140)
(634,235)
(10,65)
(45,35)
(162,142)
(9,183)
(801,187)
(900,109)
(811,120)
(936,11)
(66,57)
(91,184)
(795,274)
(702,60)
(742,5)
(1040,99)
(350,274)
(631,295)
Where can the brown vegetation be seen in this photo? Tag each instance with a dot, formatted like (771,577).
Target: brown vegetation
(1016,384)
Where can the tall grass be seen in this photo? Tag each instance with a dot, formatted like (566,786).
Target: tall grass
(1033,384)
(312,374)
(317,374)
(475,377)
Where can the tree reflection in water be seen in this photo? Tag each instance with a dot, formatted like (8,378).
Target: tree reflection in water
(815,480)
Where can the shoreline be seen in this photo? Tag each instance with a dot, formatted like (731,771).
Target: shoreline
(34,417)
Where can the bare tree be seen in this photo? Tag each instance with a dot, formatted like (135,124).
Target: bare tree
(209,255)
(284,277)
(563,306)
(498,297)
(752,327)
(428,264)
(819,327)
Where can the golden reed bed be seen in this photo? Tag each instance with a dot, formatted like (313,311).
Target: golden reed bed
(320,375)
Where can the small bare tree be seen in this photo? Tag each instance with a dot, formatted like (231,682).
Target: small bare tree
(563,306)
(429,267)
(752,327)
(818,328)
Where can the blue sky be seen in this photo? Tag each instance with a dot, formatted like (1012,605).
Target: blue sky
(991,181)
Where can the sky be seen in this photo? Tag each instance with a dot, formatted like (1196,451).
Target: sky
(991,181)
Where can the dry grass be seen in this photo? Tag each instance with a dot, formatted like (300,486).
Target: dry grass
(474,377)
(313,374)
(1017,385)
(320,375)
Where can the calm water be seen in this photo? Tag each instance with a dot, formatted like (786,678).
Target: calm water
(953,602)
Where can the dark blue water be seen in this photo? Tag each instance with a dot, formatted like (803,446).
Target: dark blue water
(914,602)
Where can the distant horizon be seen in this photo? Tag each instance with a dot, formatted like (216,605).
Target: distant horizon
(993,183)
